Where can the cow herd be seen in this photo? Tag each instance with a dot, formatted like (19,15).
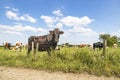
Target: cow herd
(18,46)
(46,43)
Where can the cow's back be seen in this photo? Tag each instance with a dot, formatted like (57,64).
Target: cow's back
(98,45)
(41,40)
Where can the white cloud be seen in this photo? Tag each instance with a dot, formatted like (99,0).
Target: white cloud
(12,32)
(48,20)
(117,33)
(79,30)
(42,30)
(52,22)
(13,9)
(59,25)
(16,16)
(77,38)
(68,21)
(18,29)
(71,24)
(57,13)
(11,15)
(29,18)
(7,7)
(76,21)
(83,31)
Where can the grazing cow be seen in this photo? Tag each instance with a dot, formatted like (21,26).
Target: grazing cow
(18,46)
(98,45)
(84,45)
(46,42)
(7,45)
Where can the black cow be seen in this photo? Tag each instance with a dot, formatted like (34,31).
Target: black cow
(46,42)
(98,45)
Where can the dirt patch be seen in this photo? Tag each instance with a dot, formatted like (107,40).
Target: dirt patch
(8,73)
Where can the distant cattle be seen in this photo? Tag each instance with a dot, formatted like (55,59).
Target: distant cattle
(84,45)
(18,46)
(98,45)
(67,45)
(115,45)
(57,48)
(46,42)
(7,45)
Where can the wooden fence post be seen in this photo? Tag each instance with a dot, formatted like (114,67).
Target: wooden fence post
(37,46)
(104,46)
(33,47)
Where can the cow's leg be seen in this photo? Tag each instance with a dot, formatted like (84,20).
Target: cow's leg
(93,48)
(5,47)
(48,51)
(9,47)
(20,48)
(100,48)
(28,52)
(29,49)
(34,52)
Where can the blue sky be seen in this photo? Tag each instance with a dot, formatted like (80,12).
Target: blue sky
(81,20)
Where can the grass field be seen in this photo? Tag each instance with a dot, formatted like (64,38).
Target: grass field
(73,59)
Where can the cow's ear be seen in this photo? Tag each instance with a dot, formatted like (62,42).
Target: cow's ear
(61,32)
(51,32)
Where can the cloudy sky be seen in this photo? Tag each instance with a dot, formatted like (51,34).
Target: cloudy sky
(81,20)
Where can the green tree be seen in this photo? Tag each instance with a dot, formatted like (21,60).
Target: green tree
(119,41)
(110,39)
(104,36)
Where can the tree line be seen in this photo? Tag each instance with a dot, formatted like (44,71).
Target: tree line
(110,39)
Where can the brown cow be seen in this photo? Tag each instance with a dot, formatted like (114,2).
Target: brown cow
(18,46)
(7,45)
(84,45)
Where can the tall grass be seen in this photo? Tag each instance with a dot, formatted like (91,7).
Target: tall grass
(74,59)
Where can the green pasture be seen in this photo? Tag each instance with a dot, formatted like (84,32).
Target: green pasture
(73,59)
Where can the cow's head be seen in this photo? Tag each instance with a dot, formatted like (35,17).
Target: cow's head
(56,34)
